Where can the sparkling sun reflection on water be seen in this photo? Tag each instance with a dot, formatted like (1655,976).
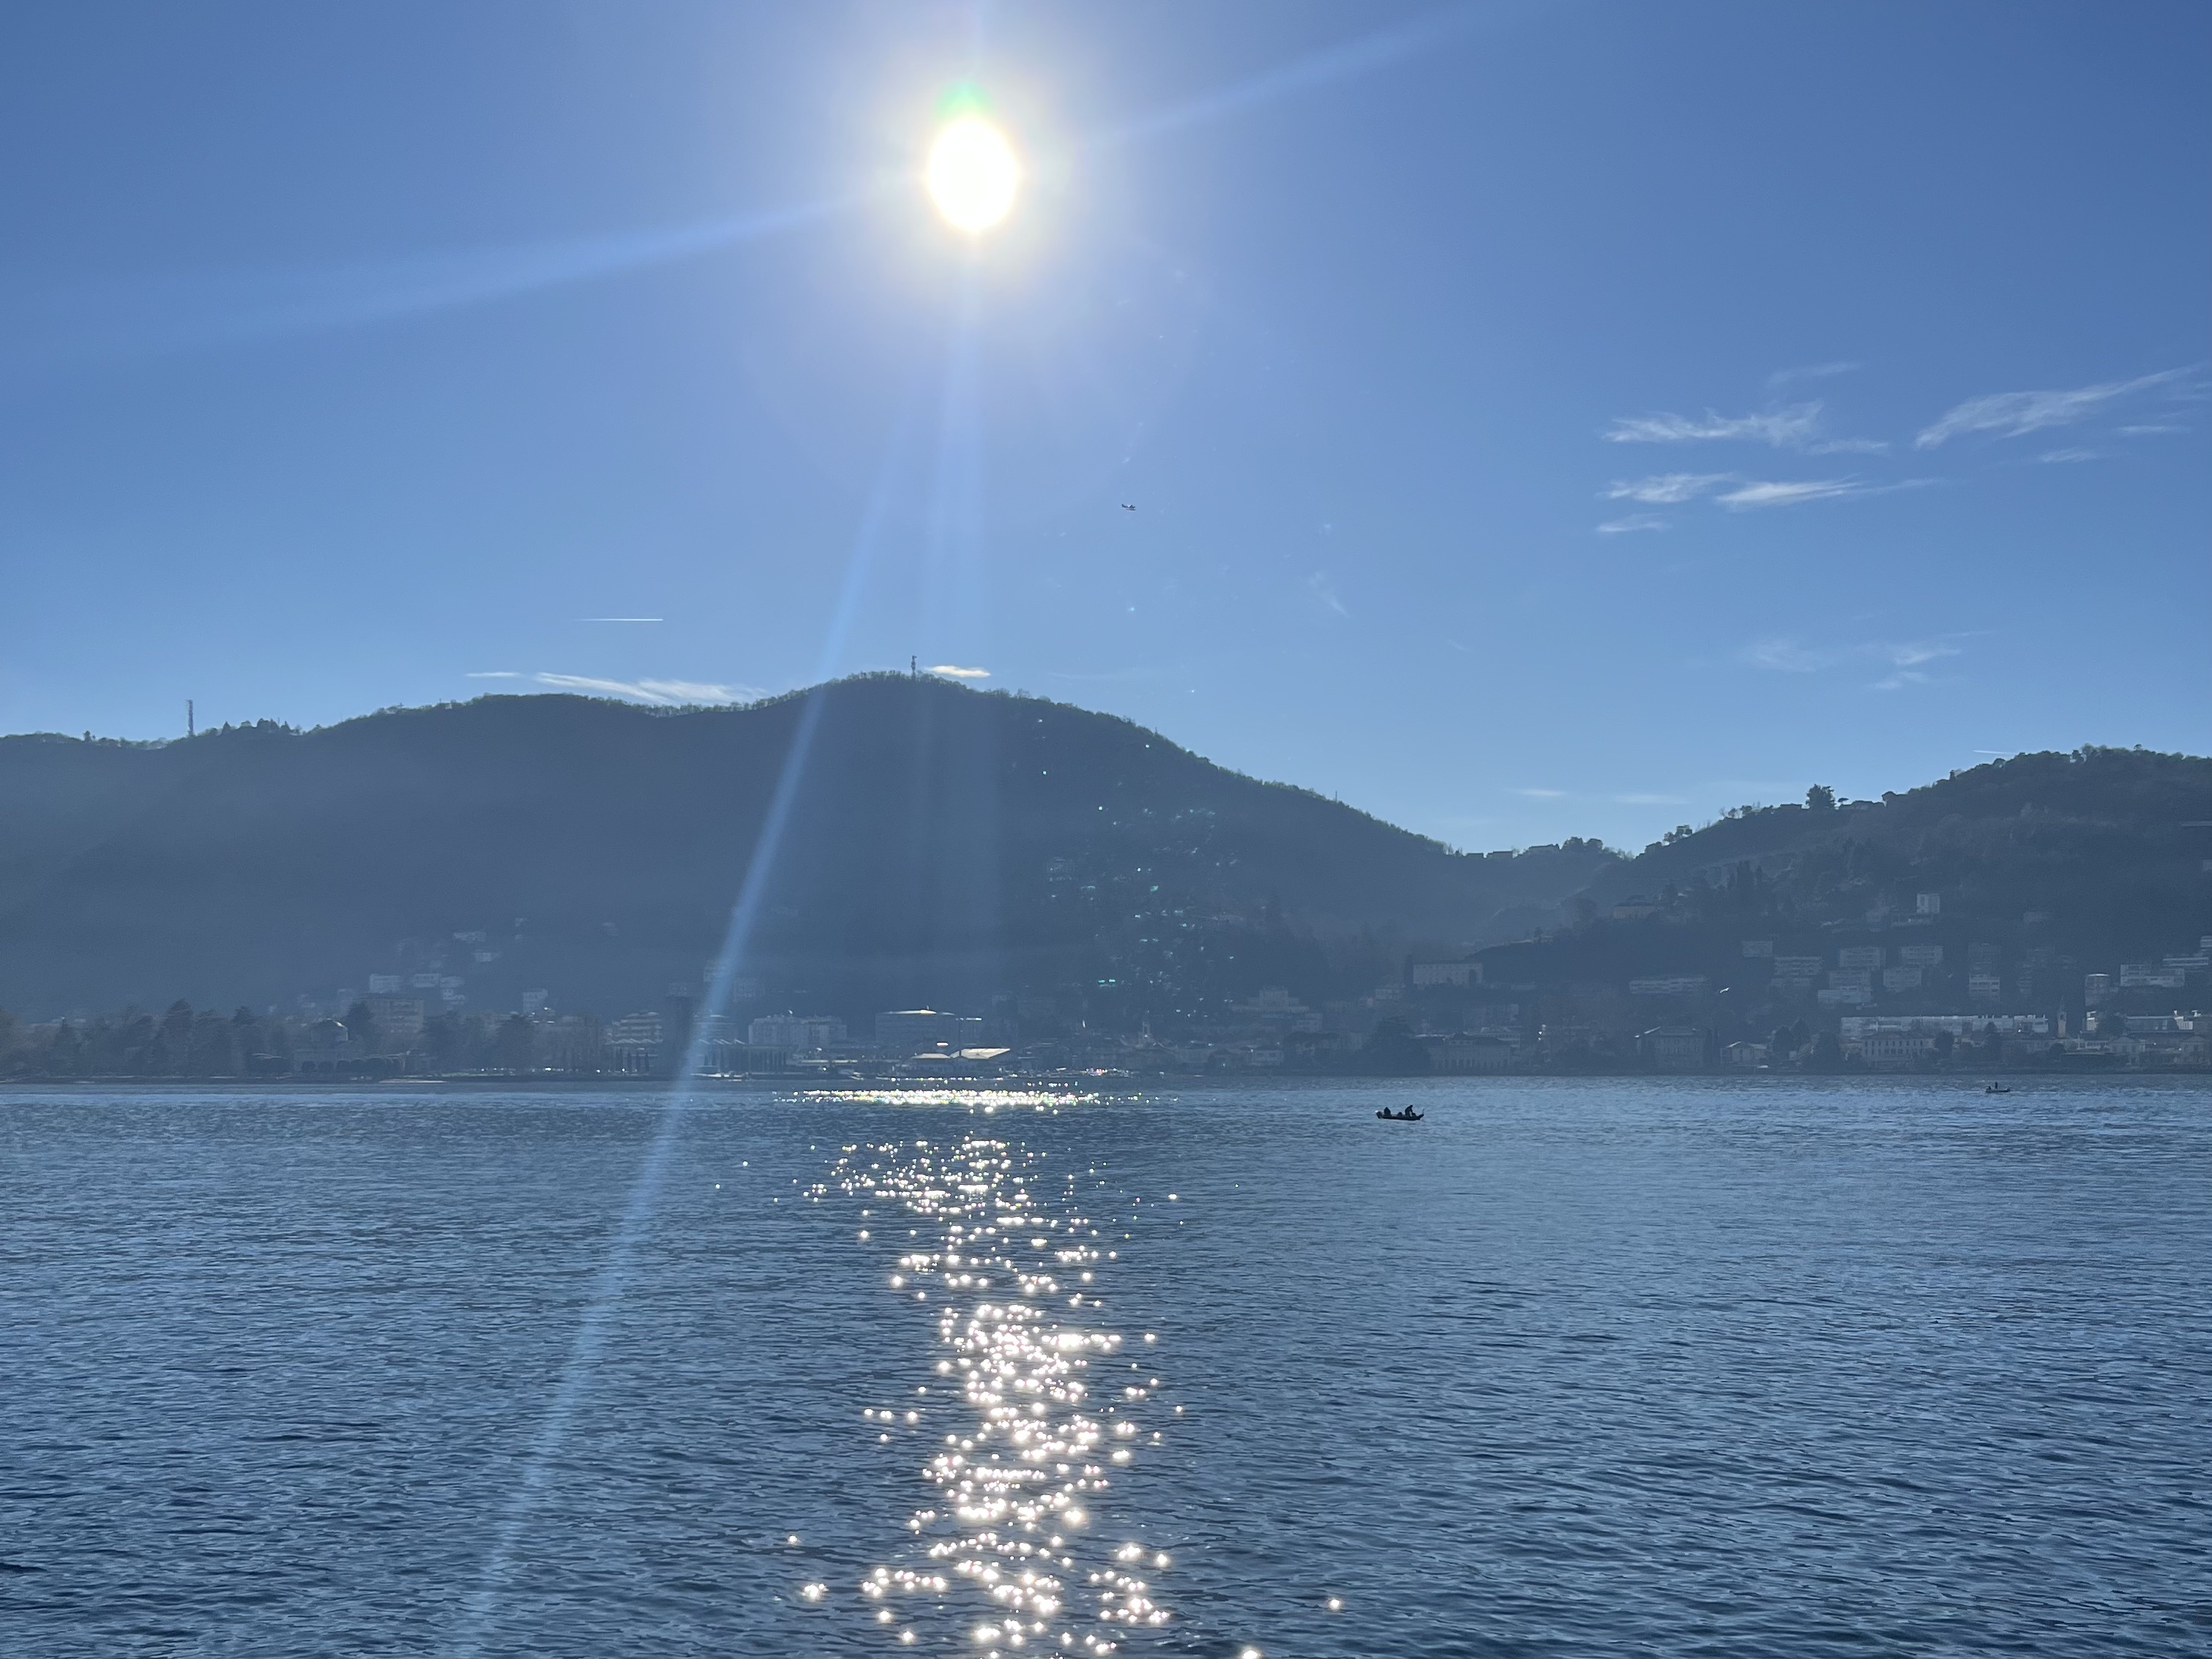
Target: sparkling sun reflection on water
(1030,1412)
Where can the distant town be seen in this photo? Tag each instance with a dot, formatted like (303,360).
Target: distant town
(1911,1002)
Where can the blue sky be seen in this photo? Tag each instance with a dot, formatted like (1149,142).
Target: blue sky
(1541,420)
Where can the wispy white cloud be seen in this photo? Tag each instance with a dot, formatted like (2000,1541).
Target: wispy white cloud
(1665,489)
(2011,414)
(1542,794)
(2050,457)
(1907,662)
(495,674)
(1785,655)
(1325,591)
(1783,428)
(1849,447)
(622,619)
(2153,429)
(1783,377)
(1633,522)
(666,693)
(953,672)
(1913,653)
(1789,493)
(1908,659)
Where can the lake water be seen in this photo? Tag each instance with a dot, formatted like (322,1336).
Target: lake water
(1603,1366)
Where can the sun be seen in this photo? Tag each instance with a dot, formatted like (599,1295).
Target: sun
(972,174)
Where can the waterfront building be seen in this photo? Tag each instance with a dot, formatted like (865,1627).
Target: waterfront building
(634,1043)
(1674,1048)
(1466,1054)
(904,1031)
(800,1033)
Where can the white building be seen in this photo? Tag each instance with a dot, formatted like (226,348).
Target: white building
(398,1019)
(1856,1027)
(1668,985)
(1796,973)
(2151,977)
(1674,1048)
(633,1042)
(1462,974)
(800,1033)
(1894,1047)
(1277,1010)
(910,1031)
(1466,1054)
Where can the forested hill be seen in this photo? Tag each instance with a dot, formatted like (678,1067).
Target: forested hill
(2051,865)
(944,845)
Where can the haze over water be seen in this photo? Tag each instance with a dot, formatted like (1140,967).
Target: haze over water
(1710,1366)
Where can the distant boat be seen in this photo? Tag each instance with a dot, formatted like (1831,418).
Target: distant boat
(1998,1089)
(1409,1115)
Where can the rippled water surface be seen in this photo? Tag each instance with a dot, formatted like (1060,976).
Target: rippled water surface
(1593,1367)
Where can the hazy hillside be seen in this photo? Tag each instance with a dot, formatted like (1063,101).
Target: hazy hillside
(2051,865)
(946,845)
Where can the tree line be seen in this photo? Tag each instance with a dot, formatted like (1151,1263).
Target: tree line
(184,1041)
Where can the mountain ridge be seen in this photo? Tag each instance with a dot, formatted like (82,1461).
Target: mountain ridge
(945,844)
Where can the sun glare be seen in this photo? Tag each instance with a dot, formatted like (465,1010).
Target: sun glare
(972,174)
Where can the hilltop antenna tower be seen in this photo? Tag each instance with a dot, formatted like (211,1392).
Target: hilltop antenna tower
(189,729)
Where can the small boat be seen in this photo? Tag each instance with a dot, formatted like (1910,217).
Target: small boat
(1998,1089)
(1409,1115)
